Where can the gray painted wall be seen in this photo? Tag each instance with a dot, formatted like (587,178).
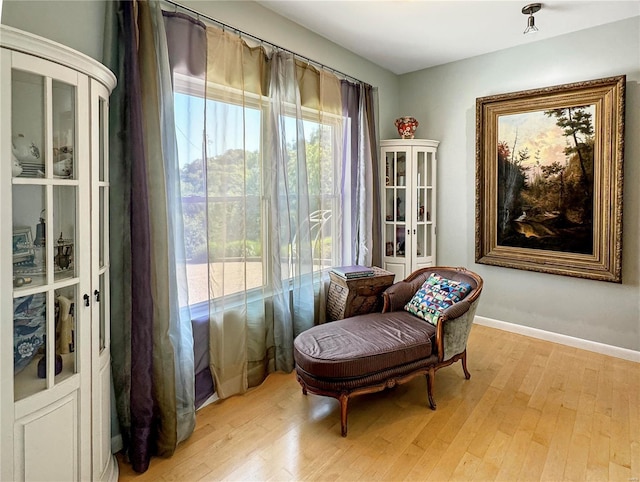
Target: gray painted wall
(77,24)
(443,100)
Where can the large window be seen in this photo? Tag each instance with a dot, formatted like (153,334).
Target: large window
(225,198)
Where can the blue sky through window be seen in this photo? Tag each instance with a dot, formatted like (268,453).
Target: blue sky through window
(226,124)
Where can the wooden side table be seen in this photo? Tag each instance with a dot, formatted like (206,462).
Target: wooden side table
(357,296)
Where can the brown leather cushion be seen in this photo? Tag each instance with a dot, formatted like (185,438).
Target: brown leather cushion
(363,345)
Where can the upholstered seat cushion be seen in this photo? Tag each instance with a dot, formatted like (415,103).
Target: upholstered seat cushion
(363,345)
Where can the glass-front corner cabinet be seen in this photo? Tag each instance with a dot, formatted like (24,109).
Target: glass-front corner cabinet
(409,204)
(54,266)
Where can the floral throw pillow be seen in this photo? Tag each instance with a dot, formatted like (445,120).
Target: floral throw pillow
(436,295)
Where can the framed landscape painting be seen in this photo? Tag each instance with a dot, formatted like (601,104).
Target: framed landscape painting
(549,179)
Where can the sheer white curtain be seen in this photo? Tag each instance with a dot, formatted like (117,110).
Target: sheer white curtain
(303,180)
(177,304)
(273,138)
(261,162)
(240,325)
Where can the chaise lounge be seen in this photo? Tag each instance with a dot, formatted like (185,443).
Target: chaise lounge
(368,353)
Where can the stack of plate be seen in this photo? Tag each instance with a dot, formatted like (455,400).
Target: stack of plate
(32,169)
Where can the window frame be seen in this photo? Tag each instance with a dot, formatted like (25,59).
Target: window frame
(193,86)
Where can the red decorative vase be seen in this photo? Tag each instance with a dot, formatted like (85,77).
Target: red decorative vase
(406,126)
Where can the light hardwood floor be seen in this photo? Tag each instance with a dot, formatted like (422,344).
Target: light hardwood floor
(532,410)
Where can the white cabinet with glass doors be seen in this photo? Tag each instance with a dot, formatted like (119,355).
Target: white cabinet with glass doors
(54,265)
(408,204)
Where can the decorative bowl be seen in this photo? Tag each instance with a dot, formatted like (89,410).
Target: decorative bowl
(16,167)
(24,149)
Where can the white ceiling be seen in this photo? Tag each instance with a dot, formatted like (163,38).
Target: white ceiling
(408,35)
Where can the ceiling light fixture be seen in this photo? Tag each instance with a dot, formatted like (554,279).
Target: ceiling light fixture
(531,23)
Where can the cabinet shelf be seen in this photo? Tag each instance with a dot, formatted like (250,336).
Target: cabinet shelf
(27,382)
(38,285)
(44,181)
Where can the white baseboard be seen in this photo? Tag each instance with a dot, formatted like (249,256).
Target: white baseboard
(588,345)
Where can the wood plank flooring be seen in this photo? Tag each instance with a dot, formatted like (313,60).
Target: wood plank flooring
(532,410)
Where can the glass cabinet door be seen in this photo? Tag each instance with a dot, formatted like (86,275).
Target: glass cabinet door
(396,207)
(101,357)
(423,208)
(100,216)
(45,200)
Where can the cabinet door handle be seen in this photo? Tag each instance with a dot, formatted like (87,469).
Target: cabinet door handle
(86,300)
(408,232)
(414,232)
(97,293)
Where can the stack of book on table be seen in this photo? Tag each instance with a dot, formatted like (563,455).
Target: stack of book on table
(351,272)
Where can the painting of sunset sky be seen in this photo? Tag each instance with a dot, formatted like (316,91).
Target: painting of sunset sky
(545,179)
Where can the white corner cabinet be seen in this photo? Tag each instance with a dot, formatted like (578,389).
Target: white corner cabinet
(54,263)
(408,204)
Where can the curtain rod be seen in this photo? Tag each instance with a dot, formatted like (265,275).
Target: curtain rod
(262,41)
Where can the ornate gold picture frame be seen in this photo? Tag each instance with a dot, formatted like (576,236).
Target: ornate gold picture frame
(549,179)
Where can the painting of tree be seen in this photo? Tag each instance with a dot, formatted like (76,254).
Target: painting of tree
(545,179)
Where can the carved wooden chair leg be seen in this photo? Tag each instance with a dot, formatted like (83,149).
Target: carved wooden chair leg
(344,400)
(467,375)
(430,376)
(303,385)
